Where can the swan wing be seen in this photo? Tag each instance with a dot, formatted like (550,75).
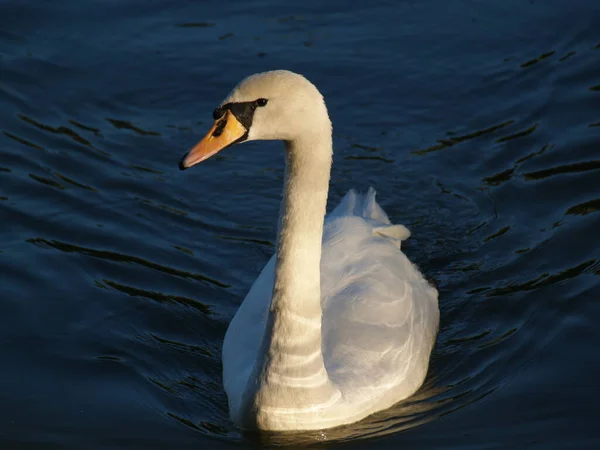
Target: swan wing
(243,338)
(380,316)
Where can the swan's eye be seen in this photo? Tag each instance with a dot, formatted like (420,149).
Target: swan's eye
(218,113)
(262,102)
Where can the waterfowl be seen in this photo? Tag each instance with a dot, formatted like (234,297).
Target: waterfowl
(339,324)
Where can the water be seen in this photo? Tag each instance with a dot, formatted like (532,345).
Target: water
(477,122)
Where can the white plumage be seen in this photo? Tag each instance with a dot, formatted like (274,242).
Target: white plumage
(339,324)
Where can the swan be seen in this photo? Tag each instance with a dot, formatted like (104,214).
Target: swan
(339,324)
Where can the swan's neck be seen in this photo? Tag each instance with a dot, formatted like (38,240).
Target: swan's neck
(293,374)
(297,288)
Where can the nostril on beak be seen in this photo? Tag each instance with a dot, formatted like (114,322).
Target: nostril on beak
(219,128)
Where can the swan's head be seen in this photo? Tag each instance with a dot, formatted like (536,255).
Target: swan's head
(277,105)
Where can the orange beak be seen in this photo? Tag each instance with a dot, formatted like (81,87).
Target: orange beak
(225,132)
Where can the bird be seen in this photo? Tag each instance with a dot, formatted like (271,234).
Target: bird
(340,323)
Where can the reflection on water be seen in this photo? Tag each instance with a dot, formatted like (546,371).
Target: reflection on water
(125,125)
(118,257)
(157,296)
(449,142)
(120,274)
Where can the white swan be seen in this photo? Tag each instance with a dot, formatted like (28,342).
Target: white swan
(339,324)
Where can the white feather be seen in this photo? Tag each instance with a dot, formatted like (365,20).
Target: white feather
(339,324)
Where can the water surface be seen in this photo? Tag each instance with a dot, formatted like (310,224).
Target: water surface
(478,123)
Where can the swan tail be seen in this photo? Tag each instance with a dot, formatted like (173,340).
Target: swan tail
(395,233)
(361,205)
(365,206)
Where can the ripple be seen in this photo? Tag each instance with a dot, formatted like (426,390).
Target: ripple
(534,154)
(542,280)
(145,169)
(499,178)
(47,181)
(125,125)
(498,233)
(183,249)
(499,339)
(195,25)
(109,358)
(195,349)
(519,134)
(57,130)
(159,296)
(559,170)
(54,183)
(161,206)
(445,190)
(96,131)
(540,58)
(123,258)
(567,56)
(163,386)
(506,175)
(246,239)
(74,183)
(203,426)
(366,147)
(373,158)
(444,143)
(585,208)
(468,339)
(22,141)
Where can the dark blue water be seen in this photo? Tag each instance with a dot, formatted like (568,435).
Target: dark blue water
(478,122)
